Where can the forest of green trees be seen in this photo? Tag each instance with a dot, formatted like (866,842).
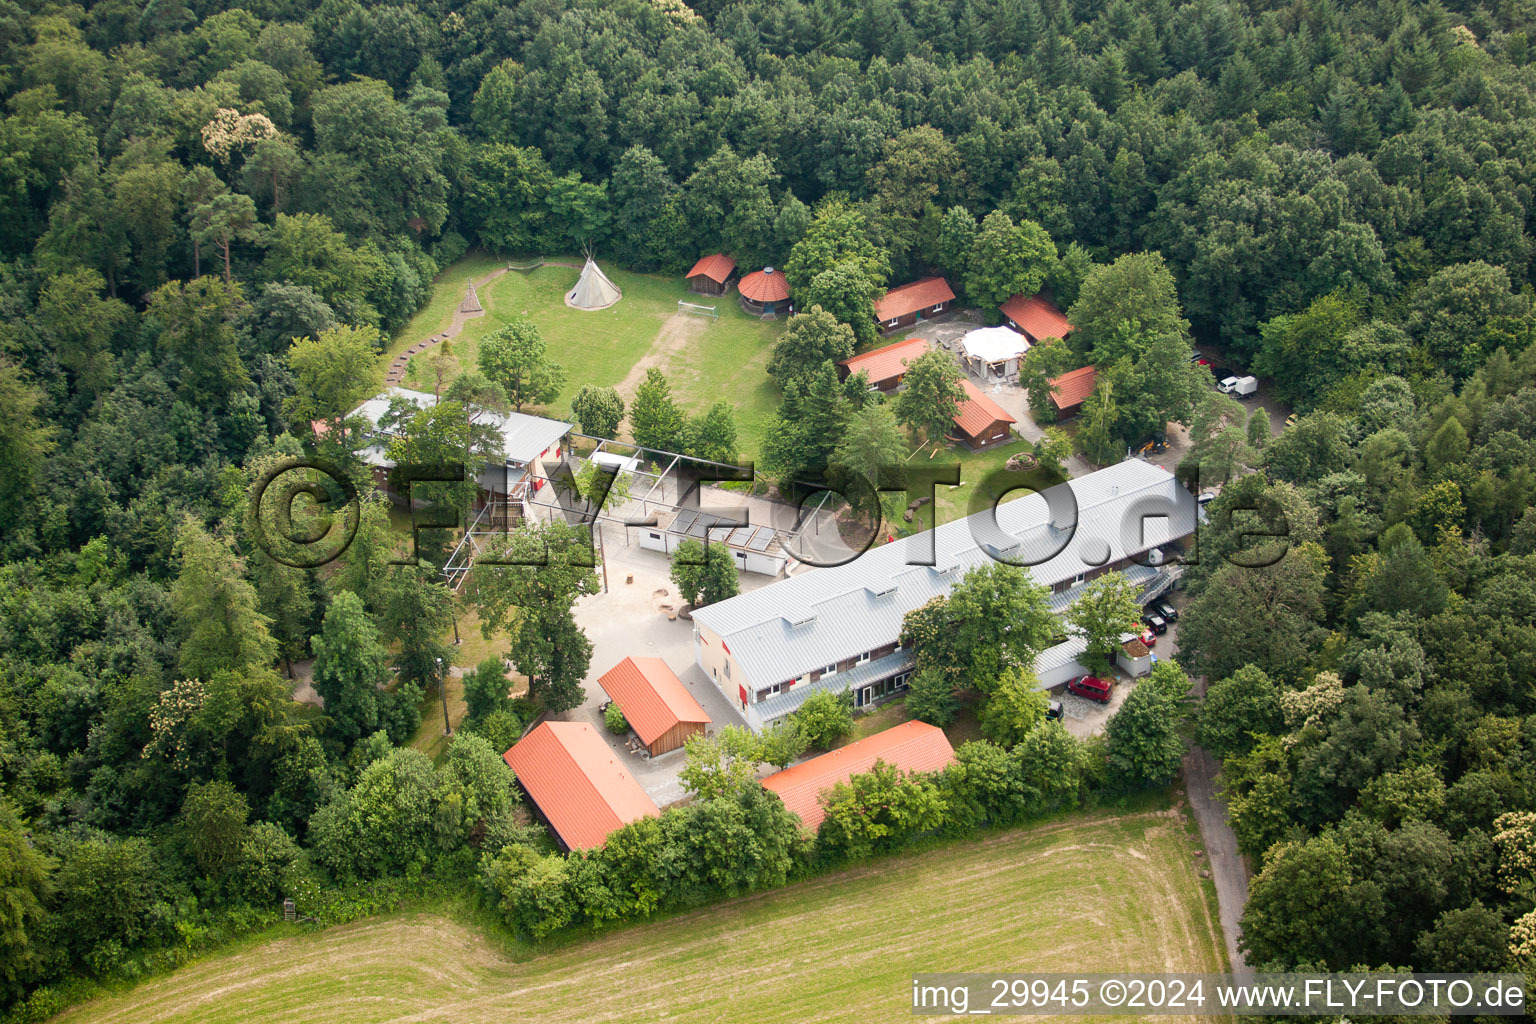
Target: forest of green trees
(214,215)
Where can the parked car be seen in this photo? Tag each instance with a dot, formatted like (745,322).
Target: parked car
(1155,622)
(1054,710)
(1148,637)
(1166,610)
(1091,688)
(1290,421)
(1206,497)
(1238,387)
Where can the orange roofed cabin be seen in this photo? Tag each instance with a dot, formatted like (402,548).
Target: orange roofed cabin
(577,783)
(920,300)
(911,746)
(1071,390)
(885,366)
(979,421)
(1036,317)
(712,275)
(655,703)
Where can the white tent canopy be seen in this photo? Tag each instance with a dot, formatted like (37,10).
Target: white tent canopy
(593,289)
(994,345)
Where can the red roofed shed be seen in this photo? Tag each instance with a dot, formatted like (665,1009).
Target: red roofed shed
(904,306)
(1071,390)
(577,783)
(655,703)
(911,746)
(712,274)
(885,366)
(764,292)
(979,420)
(1036,317)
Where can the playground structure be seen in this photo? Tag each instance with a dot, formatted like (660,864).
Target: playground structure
(661,487)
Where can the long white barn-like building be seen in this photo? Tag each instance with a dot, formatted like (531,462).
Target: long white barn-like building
(838,628)
(531,447)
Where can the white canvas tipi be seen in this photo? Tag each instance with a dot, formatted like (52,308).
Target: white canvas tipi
(593,289)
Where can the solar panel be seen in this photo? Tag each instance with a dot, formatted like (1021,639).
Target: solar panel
(762,538)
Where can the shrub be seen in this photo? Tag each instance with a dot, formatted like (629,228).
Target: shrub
(613,718)
(931,697)
(825,718)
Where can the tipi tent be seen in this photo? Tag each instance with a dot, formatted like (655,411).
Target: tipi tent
(593,289)
(471,303)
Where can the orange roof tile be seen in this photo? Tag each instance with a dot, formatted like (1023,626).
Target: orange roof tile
(718,268)
(977,412)
(1036,317)
(651,696)
(766,285)
(911,746)
(913,298)
(888,361)
(582,789)
(1073,388)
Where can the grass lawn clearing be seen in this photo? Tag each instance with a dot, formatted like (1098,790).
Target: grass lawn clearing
(842,947)
(706,360)
(447,293)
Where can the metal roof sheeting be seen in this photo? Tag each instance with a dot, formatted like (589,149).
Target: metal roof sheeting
(849,619)
(582,789)
(523,437)
(651,696)
(911,746)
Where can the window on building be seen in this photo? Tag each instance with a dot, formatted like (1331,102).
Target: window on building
(830,670)
(654,536)
(863,659)
(727,670)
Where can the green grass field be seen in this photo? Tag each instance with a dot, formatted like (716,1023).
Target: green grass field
(706,360)
(1092,893)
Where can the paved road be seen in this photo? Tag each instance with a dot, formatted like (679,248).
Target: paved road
(1228,870)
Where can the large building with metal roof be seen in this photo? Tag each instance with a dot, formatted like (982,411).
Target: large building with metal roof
(577,783)
(753,548)
(838,628)
(527,443)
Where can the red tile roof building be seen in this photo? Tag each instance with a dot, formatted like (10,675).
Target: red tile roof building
(885,366)
(712,274)
(655,703)
(1036,317)
(1071,390)
(577,783)
(979,420)
(908,304)
(911,746)
(764,292)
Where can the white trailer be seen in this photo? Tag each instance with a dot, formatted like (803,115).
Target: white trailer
(1240,387)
